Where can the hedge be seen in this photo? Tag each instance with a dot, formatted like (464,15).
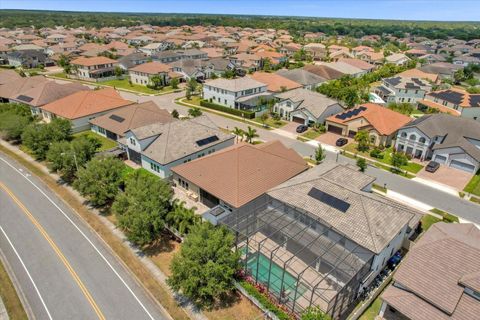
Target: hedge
(235,112)
(250,288)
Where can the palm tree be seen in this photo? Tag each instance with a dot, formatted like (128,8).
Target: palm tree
(251,134)
(194,112)
(181,218)
(239,133)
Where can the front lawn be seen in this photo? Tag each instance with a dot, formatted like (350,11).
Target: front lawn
(124,84)
(106,143)
(270,122)
(387,157)
(62,75)
(311,134)
(427,221)
(195,100)
(473,186)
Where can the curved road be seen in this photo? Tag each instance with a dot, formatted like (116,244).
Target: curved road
(63,269)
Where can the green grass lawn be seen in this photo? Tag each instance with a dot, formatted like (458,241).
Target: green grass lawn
(193,100)
(270,122)
(106,143)
(387,157)
(311,134)
(473,186)
(372,311)
(447,217)
(124,84)
(428,220)
(62,75)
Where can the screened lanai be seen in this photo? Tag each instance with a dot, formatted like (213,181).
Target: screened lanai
(299,259)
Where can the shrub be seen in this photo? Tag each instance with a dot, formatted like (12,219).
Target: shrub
(376,153)
(236,112)
(264,300)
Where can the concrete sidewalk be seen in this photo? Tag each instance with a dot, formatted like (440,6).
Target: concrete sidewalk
(3,311)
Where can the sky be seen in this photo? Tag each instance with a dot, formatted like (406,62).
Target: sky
(444,10)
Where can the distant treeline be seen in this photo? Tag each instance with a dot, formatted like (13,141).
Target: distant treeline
(296,25)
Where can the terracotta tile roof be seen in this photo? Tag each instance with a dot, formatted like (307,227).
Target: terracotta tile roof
(434,274)
(275,82)
(151,68)
(85,103)
(357,63)
(93,61)
(416,73)
(382,119)
(457,96)
(243,172)
(132,116)
(439,107)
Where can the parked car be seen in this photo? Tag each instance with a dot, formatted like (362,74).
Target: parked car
(432,166)
(302,128)
(341,142)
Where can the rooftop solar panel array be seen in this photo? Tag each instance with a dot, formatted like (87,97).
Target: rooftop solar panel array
(24,98)
(117,118)
(329,200)
(206,141)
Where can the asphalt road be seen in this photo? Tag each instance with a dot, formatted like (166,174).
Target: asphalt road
(63,269)
(418,191)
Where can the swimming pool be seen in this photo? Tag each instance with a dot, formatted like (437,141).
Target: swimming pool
(276,273)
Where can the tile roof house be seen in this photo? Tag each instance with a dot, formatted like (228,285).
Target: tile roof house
(381,123)
(305,106)
(417,73)
(7,76)
(142,74)
(327,230)
(444,70)
(11,89)
(94,69)
(28,58)
(160,146)
(237,175)
(439,278)
(324,71)
(83,106)
(275,82)
(454,101)
(116,123)
(399,89)
(307,79)
(451,141)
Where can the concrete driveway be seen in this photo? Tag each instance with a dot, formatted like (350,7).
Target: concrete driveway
(331,138)
(451,177)
(291,127)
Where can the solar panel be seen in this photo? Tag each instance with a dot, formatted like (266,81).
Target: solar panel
(206,141)
(24,98)
(217,211)
(117,118)
(329,200)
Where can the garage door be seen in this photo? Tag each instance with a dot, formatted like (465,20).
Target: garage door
(440,159)
(462,166)
(334,129)
(298,120)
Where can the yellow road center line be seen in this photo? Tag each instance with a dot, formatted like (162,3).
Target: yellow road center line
(57,251)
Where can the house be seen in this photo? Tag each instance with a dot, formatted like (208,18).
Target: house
(346,68)
(232,92)
(116,123)
(439,278)
(323,71)
(363,65)
(317,51)
(273,57)
(399,89)
(381,123)
(15,85)
(94,69)
(169,56)
(83,106)
(132,60)
(375,58)
(44,93)
(466,59)
(246,61)
(323,237)
(28,59)
(432,58)
(451,141)
(143,73)
(305,106)
(444,70)
(417,73)
(236,176)
(307,79)
(397,59)
(154,48)
(159,147)
(8,76)
(454,101)
(275,82)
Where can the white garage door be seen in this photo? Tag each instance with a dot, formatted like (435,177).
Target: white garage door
(440,159)
(462,166)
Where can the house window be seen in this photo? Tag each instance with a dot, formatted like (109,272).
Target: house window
(154,167)
(404,135)
(413,137)
(422,140)
(133,142)
(101,130)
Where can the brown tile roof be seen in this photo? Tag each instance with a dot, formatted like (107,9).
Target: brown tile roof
(275,82)
(93,61)
(416,73)
(85,103)
(357,63)
(11,89)
(46,92)
(434,274)
(134,116)
(7,76)
(382,119)
(243,172)
(151,67)
(323,71)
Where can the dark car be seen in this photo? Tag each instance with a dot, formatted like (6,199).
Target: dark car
(301,128)
(432,166)
(341,142)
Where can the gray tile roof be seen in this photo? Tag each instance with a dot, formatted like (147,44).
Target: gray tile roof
(316,103)
(301,76)
(177,139)
(235,85)
(370,220)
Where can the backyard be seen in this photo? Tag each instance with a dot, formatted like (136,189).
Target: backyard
(105,143)
(387,157)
